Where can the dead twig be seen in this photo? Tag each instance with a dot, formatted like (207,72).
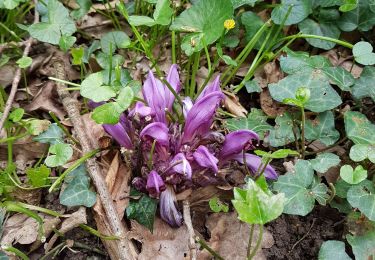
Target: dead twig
(17,75)
(125,248)
(189,225)
(303,237)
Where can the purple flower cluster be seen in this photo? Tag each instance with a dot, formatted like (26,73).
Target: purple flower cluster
(171,156)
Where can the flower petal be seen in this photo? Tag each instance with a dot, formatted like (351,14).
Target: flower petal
(188,104)
(157,131)
(254,162)
(237,141)
(173,79)
(211,87)
(201,115)
(155,184)
(168,210)
(141,110)
(119,133)
(183,166)
(205,159)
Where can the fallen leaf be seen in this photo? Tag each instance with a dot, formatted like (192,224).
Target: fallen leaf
(269,106)
(164,243)
(7,74)
(95,131)
(226,231)
(233,105)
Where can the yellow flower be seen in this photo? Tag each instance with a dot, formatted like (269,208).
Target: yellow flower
(229,24)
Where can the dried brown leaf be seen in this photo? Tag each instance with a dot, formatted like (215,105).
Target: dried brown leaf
(233,105)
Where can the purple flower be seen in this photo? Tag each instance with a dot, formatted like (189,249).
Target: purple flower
(174,80)
(141,110)
(119,133)
(213,86)
(155,184)
(237,141)
(168,210)
(188,104)
(157,131)
(181,165)
(206,159)
(200,117)
(254,163)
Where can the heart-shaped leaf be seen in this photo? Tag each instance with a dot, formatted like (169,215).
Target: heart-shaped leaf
(24,62)
(324,161)
(361,18)
(360,152)
(353,176)
(92,87)
(113,40)
(61,153)
(108,113)
(362,52)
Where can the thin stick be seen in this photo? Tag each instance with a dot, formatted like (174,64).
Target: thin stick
(125,248)
(208,248)
(304,236)
(189,225)
(17,75)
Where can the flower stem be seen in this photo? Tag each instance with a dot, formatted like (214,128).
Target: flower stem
(208,248)
(303,121)
(252,227)
(65,82)
(324,38)
(173,47)
(259,242)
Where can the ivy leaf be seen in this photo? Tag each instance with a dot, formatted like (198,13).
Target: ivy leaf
(256,121)
(38,176)
(361,18)
(116,39)
(142,210)
(358,128)
(326,29)
(333,249)
(362,52)
(353,176)
(217,206)
(58,23)
(92,87)
(77,192)
(300,189)
(360,152)
(205,30)
(300,10)
(323,97)
(282,133)
(256,206)
(362,196)
(61,153)
(108,113)
(340,77)
(363,246)
(84,7)
(66,42)
(322,128)
(363,86)
(324,161)
(24,62)
(52,135)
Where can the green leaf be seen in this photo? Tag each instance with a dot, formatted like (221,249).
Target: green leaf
(326,29)
(363,86)
(17,114)
(163,12)
(58,23)
(217,206)
(256,121)
(353,176)
(24,62)
(10,4)
(138,20)
(3,256)
(143,211)
(282,133)
(108,113)
(360,152)
(255,206)
(300,189)
(227,59)
(300,10)
(66,42)
(92,87)
(362,52)
(333,249)
(348,5)
(118,39)
(38,176)
(362,196)
(77,192)
(322,128)
(204,20)
(363,246)
(361,18)
(84,7)
(77,54)
(319,191)
(323,96)
(125,98)
(104,60)
(252,86)
(324,161)
(36,126)
(340,77)
(61,153)
(52,135)
(278,154)
(239,3)
(358,128)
